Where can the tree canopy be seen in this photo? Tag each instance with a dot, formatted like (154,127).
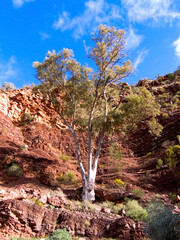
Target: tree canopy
(88,101)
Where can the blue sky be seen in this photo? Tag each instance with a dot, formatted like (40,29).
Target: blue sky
(29,28)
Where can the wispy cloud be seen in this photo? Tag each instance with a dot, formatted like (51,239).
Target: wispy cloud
(141,10)
(95,13)
(139,59)
(19,3)
(7,70)
(44,35)
(133,40)
(176,44)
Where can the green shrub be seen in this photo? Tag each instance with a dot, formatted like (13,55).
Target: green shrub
(159,163)
(171,76)
(37,201)
(67,177)
(65,158)
(135,211)
(172,155)
(60,234)
(165,115)
(27,118)
(23,147)
(137,193)
(85,205)
(149,154)
(15,170)
(115,151)
(161,223)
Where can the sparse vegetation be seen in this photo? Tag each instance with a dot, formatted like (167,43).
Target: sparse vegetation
(65,158)
(60,234)
(119,182)
(23,147)
(162,223)
(172,156)
(135,211)
(27,118)
(137,193)
(67,177)
(159,163)
(15,170)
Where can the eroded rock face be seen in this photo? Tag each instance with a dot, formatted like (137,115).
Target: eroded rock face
(29,220)
(17,102)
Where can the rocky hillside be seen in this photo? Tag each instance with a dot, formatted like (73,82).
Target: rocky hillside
(38,161)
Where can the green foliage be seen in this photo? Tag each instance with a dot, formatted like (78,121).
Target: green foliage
(15,170)
(135,211)
(37,201)
(165,115)
(137,193)
(178,138)
(85,205)
(159,163)
(27,118)
(60,234)
(149,154)
(172,156)
(177,72)
(114,207)
(8,86)
(67,177)
(115,151)
(171,76)
(140,105)
(65,158)
(161,223)
(172,196)
(23,147)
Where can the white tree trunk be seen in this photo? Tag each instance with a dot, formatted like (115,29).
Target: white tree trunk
(88,187)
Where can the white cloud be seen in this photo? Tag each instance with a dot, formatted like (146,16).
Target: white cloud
(132,39)
(95,13)
(7,70)
(176,44)
(141,10)
(44,35)
(19,3)
(139,59)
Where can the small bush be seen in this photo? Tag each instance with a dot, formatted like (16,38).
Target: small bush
(161,223)
(65,158)
(15,170)
(37,202)
(27,118)
(165,115)
(159,163)
(135,211)
(172,155)
(67,177)
(137,193)
(171,76)
(23,147)
(60,234)
(119,182)
(149,154)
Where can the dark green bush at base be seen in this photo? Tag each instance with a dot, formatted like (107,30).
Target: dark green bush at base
(161,223)
(60,234)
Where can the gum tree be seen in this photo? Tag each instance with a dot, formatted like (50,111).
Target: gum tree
(87,101)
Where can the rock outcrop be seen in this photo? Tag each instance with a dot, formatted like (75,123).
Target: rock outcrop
(19,217)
